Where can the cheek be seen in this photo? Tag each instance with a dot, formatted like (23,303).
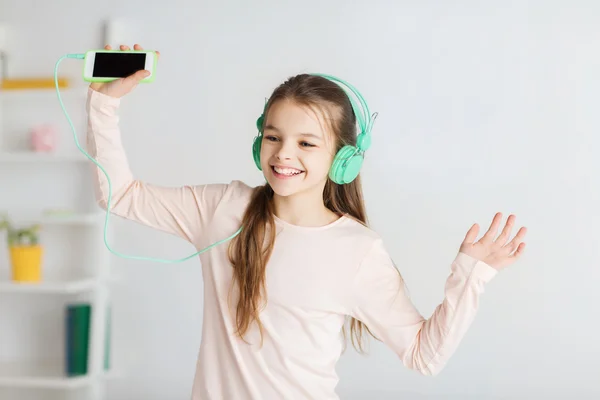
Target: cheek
(318,163)
(265,151)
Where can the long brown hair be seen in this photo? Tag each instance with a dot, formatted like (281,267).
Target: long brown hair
(249,252)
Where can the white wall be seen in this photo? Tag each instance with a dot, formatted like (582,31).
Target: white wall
(482,108)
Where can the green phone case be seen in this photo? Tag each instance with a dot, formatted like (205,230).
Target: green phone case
(146,80)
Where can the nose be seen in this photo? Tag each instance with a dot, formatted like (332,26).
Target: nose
(285,150)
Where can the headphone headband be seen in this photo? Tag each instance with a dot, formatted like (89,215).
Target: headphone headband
(363,115)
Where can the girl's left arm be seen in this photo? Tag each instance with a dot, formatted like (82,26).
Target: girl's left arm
(381,302)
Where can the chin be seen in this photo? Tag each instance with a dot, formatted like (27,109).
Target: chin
(292,187)
(285,189)
(284,193)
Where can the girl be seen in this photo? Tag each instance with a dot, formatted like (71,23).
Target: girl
(277,296)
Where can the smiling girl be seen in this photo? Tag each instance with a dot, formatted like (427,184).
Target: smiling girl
(279,298)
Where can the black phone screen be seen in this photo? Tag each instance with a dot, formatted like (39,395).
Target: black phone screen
(118,64)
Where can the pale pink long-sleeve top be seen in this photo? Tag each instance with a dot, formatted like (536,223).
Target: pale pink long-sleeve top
(315,277)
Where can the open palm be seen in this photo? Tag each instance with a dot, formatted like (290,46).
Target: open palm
(496,252)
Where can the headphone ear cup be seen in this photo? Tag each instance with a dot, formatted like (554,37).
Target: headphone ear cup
(258,141)
(259,122)
(345,166)
(256,151)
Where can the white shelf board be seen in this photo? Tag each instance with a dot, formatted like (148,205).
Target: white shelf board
(33,157)
(92,218)
(56,287)
(74,219)
(43,287)
(43,375)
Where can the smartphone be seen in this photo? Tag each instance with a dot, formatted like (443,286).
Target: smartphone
(109,65)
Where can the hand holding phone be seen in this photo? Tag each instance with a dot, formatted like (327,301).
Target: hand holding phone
(117,72)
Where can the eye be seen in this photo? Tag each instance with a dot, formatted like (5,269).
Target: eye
(270,138)
(306,144)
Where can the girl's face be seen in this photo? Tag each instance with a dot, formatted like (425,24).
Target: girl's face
(297,150)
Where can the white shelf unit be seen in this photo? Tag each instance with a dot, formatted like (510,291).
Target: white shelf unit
(40,374)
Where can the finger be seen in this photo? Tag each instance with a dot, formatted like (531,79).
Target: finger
(107,47)
(503,238)
(471,234)
(124,47)
(519,252)
(513,244)
(140,48)
(493,229)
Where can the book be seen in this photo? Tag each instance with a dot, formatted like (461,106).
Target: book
(78,322)
(77,338)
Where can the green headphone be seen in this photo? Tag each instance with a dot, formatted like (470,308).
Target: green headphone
(348,160)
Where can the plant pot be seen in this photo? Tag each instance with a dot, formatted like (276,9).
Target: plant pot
(26,263)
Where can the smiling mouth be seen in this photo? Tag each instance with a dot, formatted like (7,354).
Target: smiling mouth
(285,172)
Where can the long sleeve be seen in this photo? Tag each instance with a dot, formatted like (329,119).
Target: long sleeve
(182,211)
(425,345)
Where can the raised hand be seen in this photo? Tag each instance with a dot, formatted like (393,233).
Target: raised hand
(120,87)
(496,252)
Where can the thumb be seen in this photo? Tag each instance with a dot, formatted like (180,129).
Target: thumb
(135,78)
(471,234)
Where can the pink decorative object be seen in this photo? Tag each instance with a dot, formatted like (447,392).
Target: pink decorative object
(43,138)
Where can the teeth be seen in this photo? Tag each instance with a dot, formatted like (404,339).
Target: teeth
(286,171)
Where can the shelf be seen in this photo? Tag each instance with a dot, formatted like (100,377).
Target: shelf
(74,219)
(65,287)
(43,93)
(43,366)
(42,375)
(32,157)
(92,218)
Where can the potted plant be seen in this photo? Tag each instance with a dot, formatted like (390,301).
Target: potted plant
(24,250)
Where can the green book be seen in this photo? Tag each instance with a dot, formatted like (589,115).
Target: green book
(77,327)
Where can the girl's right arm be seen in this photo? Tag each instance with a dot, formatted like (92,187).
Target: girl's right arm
(182,211)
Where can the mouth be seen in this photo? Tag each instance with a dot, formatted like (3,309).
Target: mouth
(285,173)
